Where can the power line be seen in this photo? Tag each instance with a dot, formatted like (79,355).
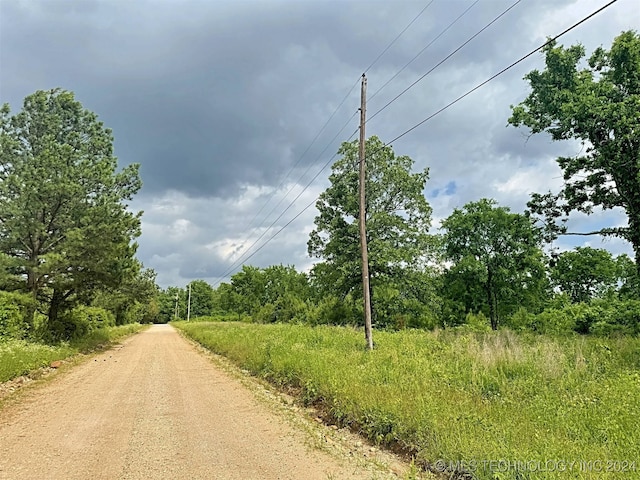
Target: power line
(325,125)
(423,50)
(537,49)
(330,118)
(305,173)
(446,58)
(521,59)
(251,223)
(305,152)
(399,35)
(243,258)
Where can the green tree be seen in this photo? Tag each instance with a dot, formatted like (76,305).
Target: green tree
(497,250)
(597,105)
(249,285)
(226,300)
(585,273)
(201,299)
(172,304)
(397,214)
(63,212)
(134,299)
(628,277)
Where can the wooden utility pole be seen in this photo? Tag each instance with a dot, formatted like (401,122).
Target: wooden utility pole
(189,305)
(362,218)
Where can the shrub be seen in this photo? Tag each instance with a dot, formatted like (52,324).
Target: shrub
(600,317)
(266,314)
(333,311)
(521,320)
(553,321)
(81,321)
(476,322)
(14,308)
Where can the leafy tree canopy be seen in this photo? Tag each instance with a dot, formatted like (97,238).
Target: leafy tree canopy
(585,273)
(63,214)
(201,299)
(597,104)
(495,250)
(397,214)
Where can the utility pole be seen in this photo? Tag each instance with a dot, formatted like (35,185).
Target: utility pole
(189,304)
(175,311)
(362,218)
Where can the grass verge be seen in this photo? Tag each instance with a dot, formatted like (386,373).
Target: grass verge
(18,357)
(495,405)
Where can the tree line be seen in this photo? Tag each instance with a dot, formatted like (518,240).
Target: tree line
(488,266)
(67,234)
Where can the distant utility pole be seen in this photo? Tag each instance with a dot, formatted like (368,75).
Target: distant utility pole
(189,304)
(175,311)
(362,218)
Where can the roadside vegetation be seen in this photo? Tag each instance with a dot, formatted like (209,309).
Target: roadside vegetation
(19,357)
(69,279)
(456,395)
(490,343)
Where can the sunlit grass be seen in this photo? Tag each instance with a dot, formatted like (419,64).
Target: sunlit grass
(18,357)
(470,398)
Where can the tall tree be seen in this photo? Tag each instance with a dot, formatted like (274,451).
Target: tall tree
(134,299)
(585,273)
(63,211)
(498,249)
(397,215)
(597,105)
(201,299)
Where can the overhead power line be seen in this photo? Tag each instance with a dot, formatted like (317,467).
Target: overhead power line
(246,256)
(424,49)
(521,59)
(282,182)
(445,58)
(399,35)
(329,120)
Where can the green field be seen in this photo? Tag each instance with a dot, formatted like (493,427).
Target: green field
(19,357)
(498,404)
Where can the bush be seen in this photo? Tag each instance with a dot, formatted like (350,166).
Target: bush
(14,309)
(521,320)
(600,317)
(266,314)
(81,321)
(553,321)
(476,322)
(333,311)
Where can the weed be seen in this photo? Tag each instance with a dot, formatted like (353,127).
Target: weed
(462,396)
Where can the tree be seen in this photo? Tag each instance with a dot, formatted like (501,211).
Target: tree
(628,277)
(498,250)
(201,299)
(249,284)
(597,105)
(172,304)
(226,300)
(397,215)
(134,299)
(585,273)
(63,216)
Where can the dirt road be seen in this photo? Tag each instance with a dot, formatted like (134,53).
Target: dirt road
(155,408)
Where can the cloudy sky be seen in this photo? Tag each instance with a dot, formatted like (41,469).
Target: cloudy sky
(232,107)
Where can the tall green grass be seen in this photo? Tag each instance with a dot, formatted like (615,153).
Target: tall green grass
(19,357)
(484,402)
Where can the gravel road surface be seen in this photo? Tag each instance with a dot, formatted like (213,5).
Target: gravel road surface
(154,407)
